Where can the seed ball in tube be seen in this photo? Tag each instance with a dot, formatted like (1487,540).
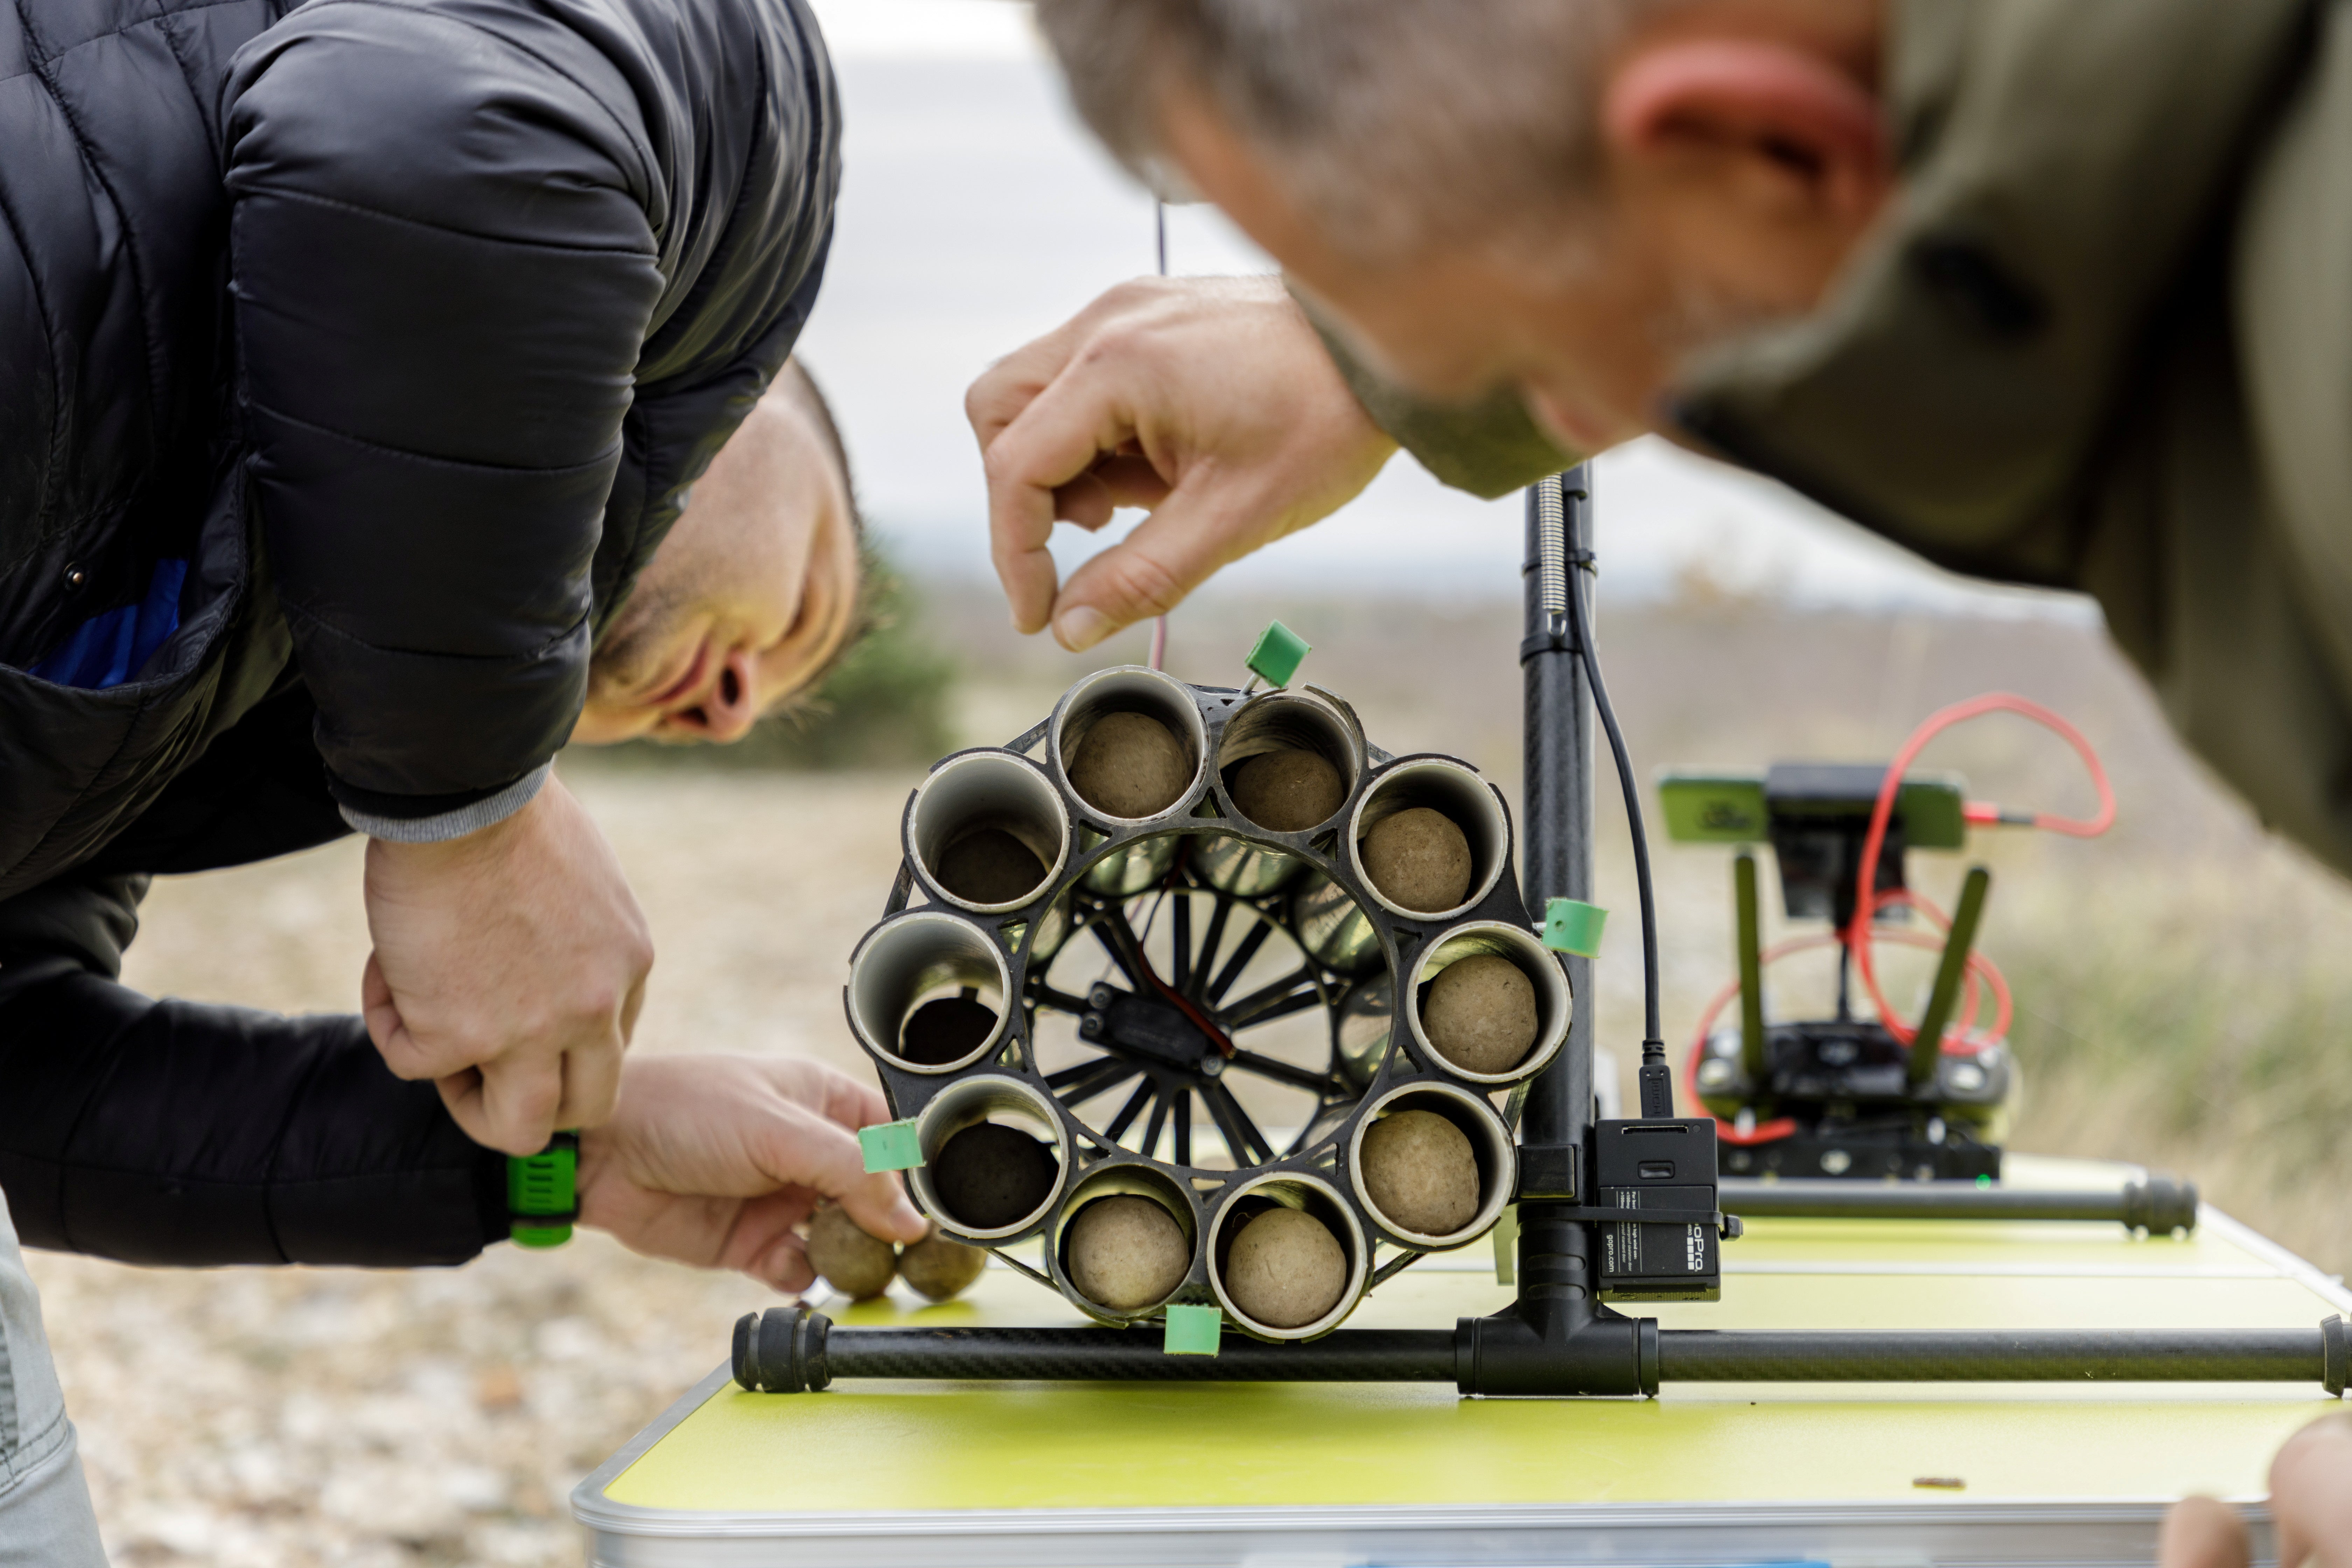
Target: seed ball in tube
(1130,764)
(990,867)
(1421,1172)
(1288,791)
(1285,1269)
(1127,1252)
(941,1268)
(1419,861)
(1480,1014)
(988,1176)
(853,1263)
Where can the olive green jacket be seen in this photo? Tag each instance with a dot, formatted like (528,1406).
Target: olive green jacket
(2102,340)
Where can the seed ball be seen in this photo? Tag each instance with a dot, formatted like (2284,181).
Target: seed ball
(1421,1172)
(1127,1252)
(945,1030)
(1130,764)
(1419,861)
(1286,1269)
(990,867)
(1480,1014)
(1286,791)
(853,1263)
(941,1268)
(988,1176)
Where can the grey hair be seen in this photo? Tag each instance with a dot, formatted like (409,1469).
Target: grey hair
(1393,123)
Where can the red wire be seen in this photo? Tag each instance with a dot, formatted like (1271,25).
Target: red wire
(1964,1037)
(1868,901)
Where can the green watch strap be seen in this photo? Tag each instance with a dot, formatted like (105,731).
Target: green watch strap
(543,1192)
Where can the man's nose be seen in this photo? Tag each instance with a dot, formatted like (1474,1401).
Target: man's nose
(733,705)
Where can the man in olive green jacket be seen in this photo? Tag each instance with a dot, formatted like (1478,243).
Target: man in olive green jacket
(2050,292)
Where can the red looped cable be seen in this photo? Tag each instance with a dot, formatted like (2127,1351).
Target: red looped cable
(1859,936)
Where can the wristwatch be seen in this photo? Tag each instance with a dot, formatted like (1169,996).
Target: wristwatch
(542,1195)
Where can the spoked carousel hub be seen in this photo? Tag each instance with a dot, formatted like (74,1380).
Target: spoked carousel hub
(1147,959)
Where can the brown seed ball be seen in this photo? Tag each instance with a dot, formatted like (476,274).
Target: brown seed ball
(1480,1014)
(1288,792)
(1127,1252)
(989,1176)
(1130,764)
(990,867)
(1286,1269)
(1421,1172)
(1419,861)
(853,1263)
(941,1268)
(945,1030)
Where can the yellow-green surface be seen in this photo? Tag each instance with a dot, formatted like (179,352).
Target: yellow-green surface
(891,1446)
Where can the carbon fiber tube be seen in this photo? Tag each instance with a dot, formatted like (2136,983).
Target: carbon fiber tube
(2197,1355)
(2157,1206)
(1351,1355)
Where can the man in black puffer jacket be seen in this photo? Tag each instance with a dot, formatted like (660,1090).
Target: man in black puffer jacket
(355,359)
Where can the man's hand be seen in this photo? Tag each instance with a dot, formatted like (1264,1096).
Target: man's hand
(711,1159)
(508,967)
(1211,402)
(2311,1510)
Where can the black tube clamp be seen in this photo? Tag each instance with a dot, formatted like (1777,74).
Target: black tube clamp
(2335,1354)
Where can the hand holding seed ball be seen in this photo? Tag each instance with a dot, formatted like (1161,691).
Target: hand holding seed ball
(988,1176)
(1288,791)
(940,1268)
(1480,1014)
(990,867)
(1419,861)
(853,1263)
(1127,1252)
(1285,1269)
(1421,1172)
(1130,766)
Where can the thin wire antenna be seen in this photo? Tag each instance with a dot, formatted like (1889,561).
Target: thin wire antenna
(1159,246)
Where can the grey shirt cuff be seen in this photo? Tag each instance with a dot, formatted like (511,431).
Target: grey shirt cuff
(455,823)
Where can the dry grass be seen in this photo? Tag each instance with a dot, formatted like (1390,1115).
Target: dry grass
(2183,1001)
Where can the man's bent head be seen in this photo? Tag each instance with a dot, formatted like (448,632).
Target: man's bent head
(751,597)
(1567,196)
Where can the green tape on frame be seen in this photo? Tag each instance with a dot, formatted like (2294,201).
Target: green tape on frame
(1193,1331)
(1572,926)
(1277,655)
(890,1146)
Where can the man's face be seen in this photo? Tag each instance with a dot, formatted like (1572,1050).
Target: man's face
(1681,245)
(753,591)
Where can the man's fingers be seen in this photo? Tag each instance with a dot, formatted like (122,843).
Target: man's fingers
(880,1206)
(2202,1532)
(514,1108)
(2311,1495)
(1062,434)
(592,1086)
(1148,572)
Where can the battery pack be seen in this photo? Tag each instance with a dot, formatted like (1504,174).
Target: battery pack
(1668,1166)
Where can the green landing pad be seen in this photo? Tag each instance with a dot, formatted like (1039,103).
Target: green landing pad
(1027,1474)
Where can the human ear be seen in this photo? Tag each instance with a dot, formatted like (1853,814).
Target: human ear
(1767,122)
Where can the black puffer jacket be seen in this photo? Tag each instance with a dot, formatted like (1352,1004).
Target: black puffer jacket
(407,324)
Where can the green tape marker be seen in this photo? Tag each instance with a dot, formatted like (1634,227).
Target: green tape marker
(1193,1331)
(1277,655)
(890,1146)
(1572,925)
(543,1193)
